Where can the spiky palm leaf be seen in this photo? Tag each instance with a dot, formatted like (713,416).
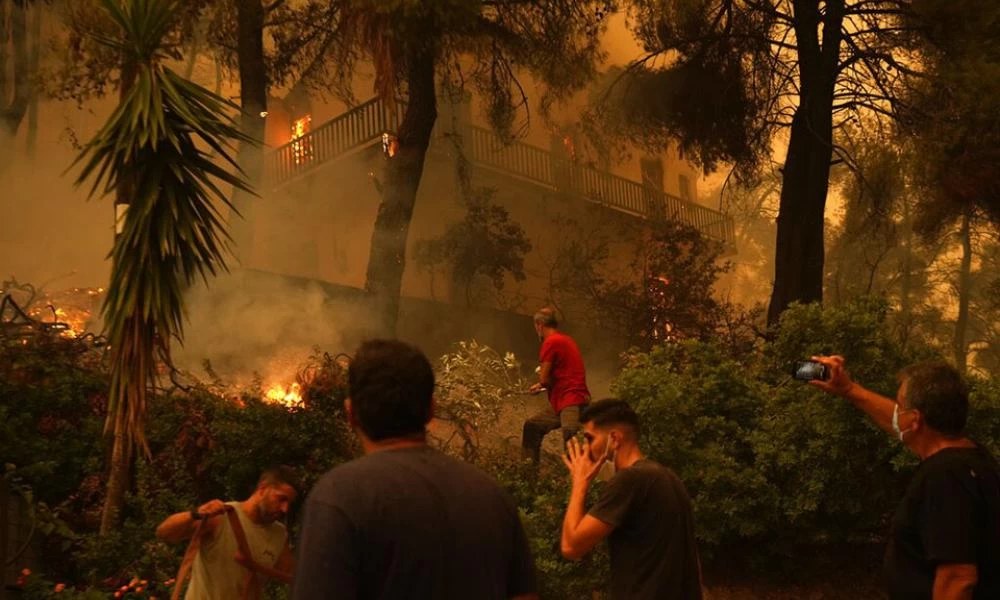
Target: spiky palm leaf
(156,142)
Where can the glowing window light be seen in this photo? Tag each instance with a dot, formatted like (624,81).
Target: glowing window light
(302,150)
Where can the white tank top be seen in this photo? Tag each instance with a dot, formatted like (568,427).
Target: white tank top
(215,574)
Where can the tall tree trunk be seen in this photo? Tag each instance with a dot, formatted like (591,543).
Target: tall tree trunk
(799,252)
(960,345)
(387,257)
(17,90)
(253,100)
(120,463)
(33,64)
(906,283)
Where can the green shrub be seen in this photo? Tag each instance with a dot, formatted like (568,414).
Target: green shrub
(541,495)
(776,468)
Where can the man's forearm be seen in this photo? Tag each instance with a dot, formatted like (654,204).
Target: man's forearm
(575,512)
(876,406)
(176,528)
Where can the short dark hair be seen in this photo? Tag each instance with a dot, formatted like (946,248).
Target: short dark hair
(611,411)
(390,384)
(938,391)
(546,317)
(278,475)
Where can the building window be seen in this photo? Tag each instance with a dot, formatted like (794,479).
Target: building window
(652,172)
(685,188)
(302,149)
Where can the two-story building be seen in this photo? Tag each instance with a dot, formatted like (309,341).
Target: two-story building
(315,218)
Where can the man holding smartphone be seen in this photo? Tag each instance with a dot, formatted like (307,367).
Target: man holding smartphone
(945,536)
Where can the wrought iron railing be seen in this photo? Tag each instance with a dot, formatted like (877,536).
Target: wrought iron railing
(364,125)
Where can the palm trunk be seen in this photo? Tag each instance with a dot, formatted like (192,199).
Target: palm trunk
(799,253)
(118,477)
(120,464)
(387,257)
(964,291)
(253,100)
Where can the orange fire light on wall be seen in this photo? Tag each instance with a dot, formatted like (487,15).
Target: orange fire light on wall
(302,151)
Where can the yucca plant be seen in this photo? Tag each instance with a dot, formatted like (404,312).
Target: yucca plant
(155,145)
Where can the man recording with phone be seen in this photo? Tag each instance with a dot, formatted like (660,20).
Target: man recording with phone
(945,535)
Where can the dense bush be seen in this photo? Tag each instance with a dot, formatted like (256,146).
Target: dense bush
(780,473)
(776,468)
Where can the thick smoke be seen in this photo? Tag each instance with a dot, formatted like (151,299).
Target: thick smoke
(247,323)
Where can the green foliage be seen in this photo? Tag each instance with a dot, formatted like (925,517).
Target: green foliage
(699,408)
(773,465)
(664,293)
(203,445)
(953,116)
(51,408)
(474,386)
(541,496)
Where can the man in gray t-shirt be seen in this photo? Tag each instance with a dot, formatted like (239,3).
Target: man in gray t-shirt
(405,520)
(644,511)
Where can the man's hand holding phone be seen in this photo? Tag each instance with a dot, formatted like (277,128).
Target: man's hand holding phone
(838,381)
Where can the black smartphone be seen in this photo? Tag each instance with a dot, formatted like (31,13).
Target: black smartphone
(809,370)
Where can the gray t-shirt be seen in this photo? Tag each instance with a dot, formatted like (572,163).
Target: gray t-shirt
(411,523)
(653,550)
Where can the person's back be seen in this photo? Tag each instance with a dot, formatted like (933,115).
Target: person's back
(960,487)
(653,548)
(405,520)
(419,524)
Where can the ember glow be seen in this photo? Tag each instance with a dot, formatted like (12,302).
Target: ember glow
(74,307)
(289,396)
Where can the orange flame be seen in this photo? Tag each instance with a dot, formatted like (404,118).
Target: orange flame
(301,149)
(290,396)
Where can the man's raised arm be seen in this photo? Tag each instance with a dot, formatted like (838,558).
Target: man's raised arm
(178,527)
(876,406)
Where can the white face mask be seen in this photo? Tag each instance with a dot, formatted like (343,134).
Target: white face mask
(895,423)
(608,469)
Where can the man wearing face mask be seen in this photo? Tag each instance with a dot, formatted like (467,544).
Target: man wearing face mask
(945,538)
(644,511)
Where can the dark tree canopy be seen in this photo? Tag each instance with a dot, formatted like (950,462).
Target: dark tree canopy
(953,116)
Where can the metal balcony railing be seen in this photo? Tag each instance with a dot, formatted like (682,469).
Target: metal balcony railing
(364,125)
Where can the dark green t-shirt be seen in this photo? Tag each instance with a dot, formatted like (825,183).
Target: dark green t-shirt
(653,550)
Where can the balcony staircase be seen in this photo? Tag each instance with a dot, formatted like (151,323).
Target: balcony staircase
(364,125)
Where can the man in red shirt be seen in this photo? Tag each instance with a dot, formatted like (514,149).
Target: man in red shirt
(561,373)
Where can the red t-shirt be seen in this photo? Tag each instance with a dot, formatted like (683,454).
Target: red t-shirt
(568,385)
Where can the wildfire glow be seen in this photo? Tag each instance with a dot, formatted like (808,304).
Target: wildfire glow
(301,148)
(73,307)
(289,396)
